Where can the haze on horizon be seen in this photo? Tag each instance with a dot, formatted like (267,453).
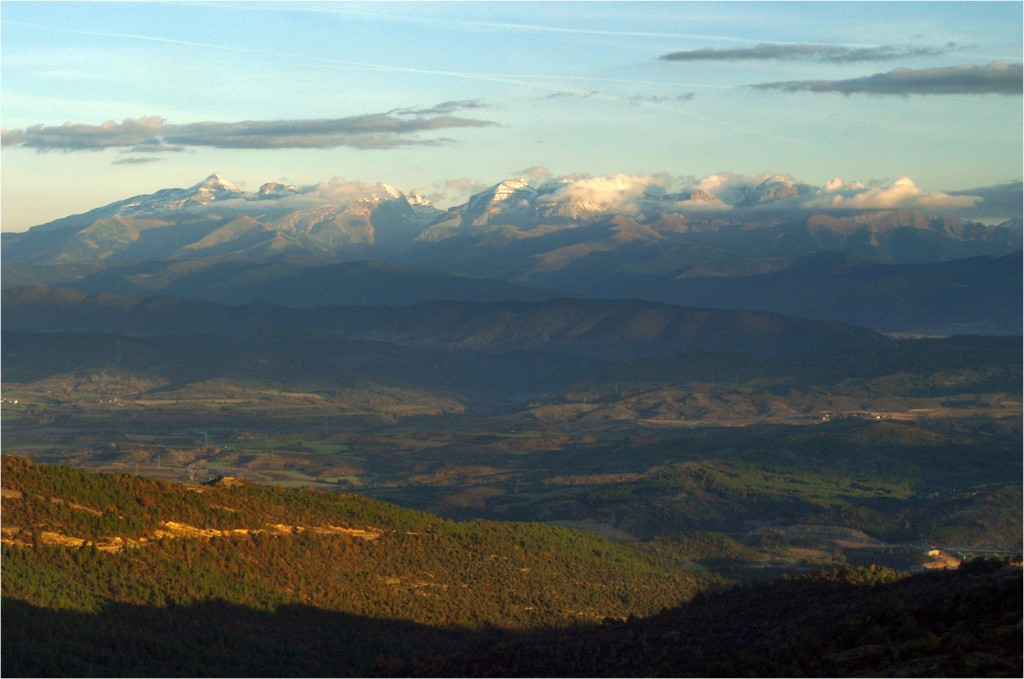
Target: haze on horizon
(103,101)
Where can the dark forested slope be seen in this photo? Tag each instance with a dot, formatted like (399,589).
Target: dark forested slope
(122,576)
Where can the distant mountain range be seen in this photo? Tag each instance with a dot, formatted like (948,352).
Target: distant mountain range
(605,328)
(748,247)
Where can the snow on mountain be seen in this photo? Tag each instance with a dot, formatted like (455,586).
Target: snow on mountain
(391,191)
(774,189)
(272,190)
(422,207)
(213,187)
(509,197)
(416,200)
(333,215)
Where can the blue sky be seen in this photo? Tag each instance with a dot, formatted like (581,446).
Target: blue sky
(445,98)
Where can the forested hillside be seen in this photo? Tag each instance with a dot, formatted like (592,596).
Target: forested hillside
(115,575)
(144,564)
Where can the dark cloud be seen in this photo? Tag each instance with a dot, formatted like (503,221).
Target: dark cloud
(656,99)
(135,161)
(999,202)
(579,95)
(443,108)
(787,52)
(12,137)
(154,134)
(154,146)
(633,99)
(997,78)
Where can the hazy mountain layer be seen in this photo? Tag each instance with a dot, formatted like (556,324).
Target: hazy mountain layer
(611,328)
(758,247)
(299,282)
(980,295)
(215,219)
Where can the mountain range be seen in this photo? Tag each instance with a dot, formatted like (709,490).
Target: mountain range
(764,247)
(721,386)
(611,328)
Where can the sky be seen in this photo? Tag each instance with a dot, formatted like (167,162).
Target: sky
(104,101)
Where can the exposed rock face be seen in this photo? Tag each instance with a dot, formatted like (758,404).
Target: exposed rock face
(226,482)
(272,190)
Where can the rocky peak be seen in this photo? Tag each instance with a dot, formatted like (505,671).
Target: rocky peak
(272,190)
(416,200)
(511,196)
(773,189)
(213,188)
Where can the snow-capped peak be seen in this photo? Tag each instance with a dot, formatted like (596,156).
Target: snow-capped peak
(777,179)
(391,190)
(275,190)
(498,193)
(213,188)
(490,202)
(416,199)
(216,182)
(775,188)
(503,190)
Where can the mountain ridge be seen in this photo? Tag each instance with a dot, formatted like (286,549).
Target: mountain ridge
(611,237)
(330,216)
(615,328)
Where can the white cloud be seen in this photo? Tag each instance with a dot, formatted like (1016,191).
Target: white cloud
(536,175)
(649,193)
(732,188)
(341,191)
(902,194)
(621,193)
(454,191)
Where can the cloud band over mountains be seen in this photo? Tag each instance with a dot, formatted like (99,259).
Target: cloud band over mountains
(152,134)
(814,52)
(727,191)
(1001,77)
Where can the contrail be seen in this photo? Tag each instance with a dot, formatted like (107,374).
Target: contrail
(133,36)
(541,28)
(511,78)
(520,80)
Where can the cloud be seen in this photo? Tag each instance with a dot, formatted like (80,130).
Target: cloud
(731,189)
(77,137)
(635,99)
(566,94)
(154,134)
(620,193)
(454,191)
(341,191)
(1001,77)
(657,99)
(11,137)
(815,52)
(998,203)
(536,175)
(154,146)
(903,194)
(728,191)
(462,184)
(443,108)
(134,161)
